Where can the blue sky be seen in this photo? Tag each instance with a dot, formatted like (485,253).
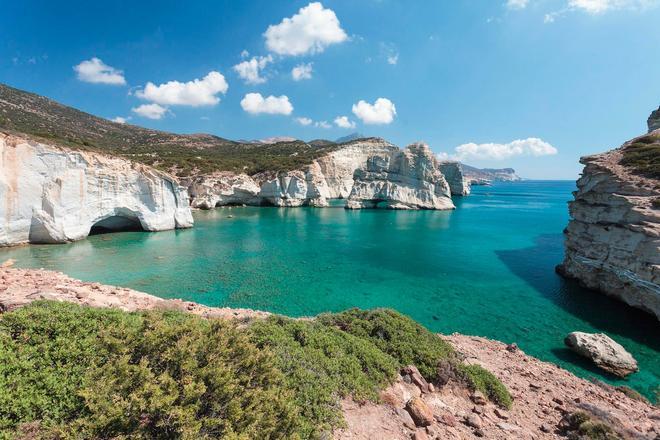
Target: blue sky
(532,84)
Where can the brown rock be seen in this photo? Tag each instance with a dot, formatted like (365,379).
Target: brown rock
(420,435)
(479,398)
(512,347)
(474,421)
(479,432)
(446,419)
(419,411)
(416,378)
(501,414)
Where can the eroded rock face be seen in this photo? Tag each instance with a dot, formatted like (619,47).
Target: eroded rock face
(54,195)
(458,183)
(613,238)
(408,179)
(654,120)
(603,351)
(328,177)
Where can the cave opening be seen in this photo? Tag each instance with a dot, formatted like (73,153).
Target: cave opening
(116,223)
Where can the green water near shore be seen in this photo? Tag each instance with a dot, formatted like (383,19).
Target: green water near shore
(486,269)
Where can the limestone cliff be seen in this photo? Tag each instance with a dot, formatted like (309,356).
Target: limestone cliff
(613,238)
(459,184)
(50,194)
(408,179)
(327,177)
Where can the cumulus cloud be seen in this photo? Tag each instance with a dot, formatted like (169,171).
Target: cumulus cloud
(249,70)
(274,105)
(322,124)
(311,30)
(303,121)
(344,122)
(195,93)
(302,71)
(150,111)
(517,4)
(380,112)
(493,151)
(120,119)
(96,71)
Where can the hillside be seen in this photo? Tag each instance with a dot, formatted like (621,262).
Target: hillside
(183,155)
(477,175)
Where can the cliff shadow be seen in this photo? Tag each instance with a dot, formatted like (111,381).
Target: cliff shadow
(535,265)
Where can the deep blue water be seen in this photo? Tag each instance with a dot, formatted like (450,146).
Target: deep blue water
(486,268)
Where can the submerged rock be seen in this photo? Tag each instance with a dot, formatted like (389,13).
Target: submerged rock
(50,194)
(603,351)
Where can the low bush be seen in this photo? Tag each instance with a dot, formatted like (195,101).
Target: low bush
(478,378)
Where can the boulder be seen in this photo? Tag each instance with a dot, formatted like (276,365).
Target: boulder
(419,411)
(603,351)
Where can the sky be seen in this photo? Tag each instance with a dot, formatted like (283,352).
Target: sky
(528,84)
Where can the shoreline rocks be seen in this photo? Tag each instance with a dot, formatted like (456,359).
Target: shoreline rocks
(50,194)
(613,238)
(603,351)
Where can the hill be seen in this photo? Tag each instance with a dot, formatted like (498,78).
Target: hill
(181,154)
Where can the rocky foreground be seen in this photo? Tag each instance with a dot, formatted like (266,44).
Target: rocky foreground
(544,394)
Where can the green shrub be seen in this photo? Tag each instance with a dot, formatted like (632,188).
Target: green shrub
(582,426)
(643,156)
(395,334)
(102,373)
(478,378)
(323,364)
(631,393)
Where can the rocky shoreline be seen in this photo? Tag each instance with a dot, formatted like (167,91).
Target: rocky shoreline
(613,237)
(544,394)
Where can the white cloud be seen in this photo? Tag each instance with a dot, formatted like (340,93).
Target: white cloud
(596,7)
(380,112)
(302,71)
(492,151)
(194,93)
(96,71)
(249,70)
(322,124)
(245,53)
(151,111)
(311,30)
(517,4)
(274,105)
(304,121)
(390,53)
(393,59)
(120,119)
(344,122)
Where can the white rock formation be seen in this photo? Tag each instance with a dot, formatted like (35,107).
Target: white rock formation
(605,352)
(224,188)
(613,238)
(453,172)
(53,195)
(328,177)
(408,179)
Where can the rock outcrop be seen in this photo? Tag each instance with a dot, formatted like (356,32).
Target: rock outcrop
(613,238)
(327,177)
(603,351)
(458,183)
(408,179)
(654,120)
(54,195)
(485,176)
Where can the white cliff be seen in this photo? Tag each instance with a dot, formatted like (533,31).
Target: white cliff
(407,179)
(328,177)
(53,195)
(613,238)
(453,172)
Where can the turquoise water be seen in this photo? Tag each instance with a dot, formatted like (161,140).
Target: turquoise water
(486,268)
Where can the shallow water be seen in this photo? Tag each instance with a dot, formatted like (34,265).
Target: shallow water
(486,268)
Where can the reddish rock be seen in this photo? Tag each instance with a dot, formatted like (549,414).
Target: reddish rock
(419,411)
(416,378)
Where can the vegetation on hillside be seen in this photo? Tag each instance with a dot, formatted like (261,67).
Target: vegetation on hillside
(71,371)
(47,120)
(643,156)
